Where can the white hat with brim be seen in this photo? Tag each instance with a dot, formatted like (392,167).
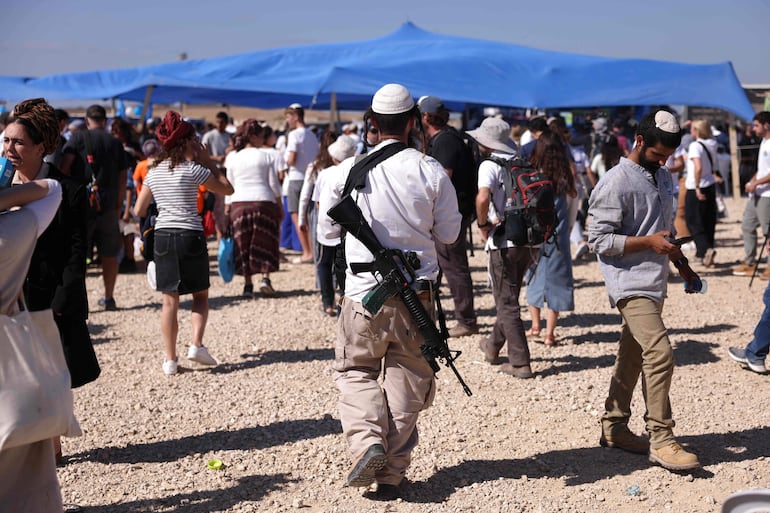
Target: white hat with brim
(495,134)
(341,149)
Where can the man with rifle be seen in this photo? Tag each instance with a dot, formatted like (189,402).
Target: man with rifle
(400,202)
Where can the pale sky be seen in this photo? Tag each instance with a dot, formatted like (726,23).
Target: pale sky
(42,37)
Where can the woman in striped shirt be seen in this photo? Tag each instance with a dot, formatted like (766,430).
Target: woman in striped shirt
(181,256)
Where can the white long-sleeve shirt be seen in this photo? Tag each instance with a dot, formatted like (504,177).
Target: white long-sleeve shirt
(410,203)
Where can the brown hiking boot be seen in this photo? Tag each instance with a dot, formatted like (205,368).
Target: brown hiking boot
(490,357)
(765,274)
(627,441)
(744,269)
(521,372)
(674,457)
(362,473)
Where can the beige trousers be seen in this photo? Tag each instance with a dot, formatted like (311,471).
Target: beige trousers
(382,413)
(644,349)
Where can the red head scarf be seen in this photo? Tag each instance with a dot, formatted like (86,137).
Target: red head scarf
(172,130)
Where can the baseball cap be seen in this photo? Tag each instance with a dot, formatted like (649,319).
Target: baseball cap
(430,104)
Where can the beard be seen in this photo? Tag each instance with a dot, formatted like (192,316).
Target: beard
(650,165)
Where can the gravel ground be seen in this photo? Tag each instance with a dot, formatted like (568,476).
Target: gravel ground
(268,411)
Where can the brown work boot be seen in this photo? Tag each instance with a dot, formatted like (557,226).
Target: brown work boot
(627,441)
(463,331)
(490,356)
(744,269)
(674,457)
(521,371)
(765,274)
(362,473)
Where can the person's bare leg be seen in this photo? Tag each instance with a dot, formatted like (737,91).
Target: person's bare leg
(169,326)
(534,314)
(109,274)
(304,238)
(551,316)
(200,314)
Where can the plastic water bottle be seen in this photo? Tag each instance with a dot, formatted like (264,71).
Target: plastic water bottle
(700,286)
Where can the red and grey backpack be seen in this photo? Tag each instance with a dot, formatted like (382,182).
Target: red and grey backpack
(530,216)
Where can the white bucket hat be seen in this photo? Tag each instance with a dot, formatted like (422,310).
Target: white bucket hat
(342,149)
(494,133)
(392,99)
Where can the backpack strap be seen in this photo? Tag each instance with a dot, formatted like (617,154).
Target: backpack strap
(357,176)
(708,154)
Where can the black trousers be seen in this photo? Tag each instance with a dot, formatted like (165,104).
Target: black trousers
(701,218)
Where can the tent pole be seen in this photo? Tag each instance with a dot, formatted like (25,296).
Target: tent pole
(145,107)
(735,175)
(333,113)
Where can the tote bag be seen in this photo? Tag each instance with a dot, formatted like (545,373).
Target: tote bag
(35,394)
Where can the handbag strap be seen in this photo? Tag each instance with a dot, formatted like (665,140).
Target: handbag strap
(708,154)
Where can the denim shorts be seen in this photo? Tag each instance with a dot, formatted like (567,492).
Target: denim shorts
(181,260)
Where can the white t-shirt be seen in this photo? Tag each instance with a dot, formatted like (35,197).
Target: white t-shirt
(253,173)
(763,168)
(490,176)
(696,150)
(304,143)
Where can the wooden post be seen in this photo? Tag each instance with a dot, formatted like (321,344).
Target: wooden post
(333,113)
(735,163)
(145,107)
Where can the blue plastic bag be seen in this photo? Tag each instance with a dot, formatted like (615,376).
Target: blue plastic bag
(226,258)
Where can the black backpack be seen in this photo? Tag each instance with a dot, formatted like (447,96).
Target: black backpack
(530,216)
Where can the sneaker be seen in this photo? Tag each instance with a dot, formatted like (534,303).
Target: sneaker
(739,355)
(581,252)
(108,304)
(169,367)
(708,258)
(744,269)
(521,372)
(362,473)
(627,441)
(463,331)
(248,290)
(266,288)
(200,355)
(674,457)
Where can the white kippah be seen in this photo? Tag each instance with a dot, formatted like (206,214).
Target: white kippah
(666,122)
(342,148)
(392,99)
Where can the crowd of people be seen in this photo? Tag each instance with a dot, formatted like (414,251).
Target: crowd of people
(420,184)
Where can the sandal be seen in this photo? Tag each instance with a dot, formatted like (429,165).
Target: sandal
(549,341)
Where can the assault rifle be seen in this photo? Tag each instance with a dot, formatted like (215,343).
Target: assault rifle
(392,281)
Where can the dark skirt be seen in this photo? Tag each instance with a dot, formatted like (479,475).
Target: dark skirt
(256,235)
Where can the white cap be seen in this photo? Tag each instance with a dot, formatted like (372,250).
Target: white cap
(392,99)
(666,121)
(341,149)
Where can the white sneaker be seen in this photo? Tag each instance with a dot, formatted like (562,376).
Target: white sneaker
(169,367)
(200,355)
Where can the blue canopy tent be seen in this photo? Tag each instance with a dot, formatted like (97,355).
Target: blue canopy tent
(457,69)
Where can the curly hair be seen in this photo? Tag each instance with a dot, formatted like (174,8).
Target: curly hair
(39,120)
(323,159)
(175,155)
(248,128)
(550,157)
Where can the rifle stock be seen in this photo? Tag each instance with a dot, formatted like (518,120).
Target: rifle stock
(347,214)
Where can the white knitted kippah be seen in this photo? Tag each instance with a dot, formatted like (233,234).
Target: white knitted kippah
(666,122)
(392,99)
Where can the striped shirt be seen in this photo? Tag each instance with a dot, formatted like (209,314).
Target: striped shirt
(176,193)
